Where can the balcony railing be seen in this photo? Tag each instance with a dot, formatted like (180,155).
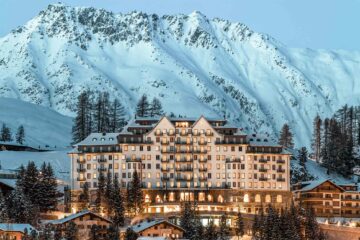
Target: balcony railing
(181,178)
(280,170)
(81,169)
(280,161)
(184,169)
(81,178)
(280,179)
(80,161)
(102,169)
(165,160)
(263,179)
(263,160)
(183,160)
(164,142)
(133,159)
(203,179)
(233,160)
(200,151)
(165,178)
(203,160)
(202,143)
(102,160)
(209,134)
(262,170)
(203,169)
(165,169)
(168,150)
(184,142)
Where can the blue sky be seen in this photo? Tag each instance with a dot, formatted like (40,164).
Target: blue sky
(328,24)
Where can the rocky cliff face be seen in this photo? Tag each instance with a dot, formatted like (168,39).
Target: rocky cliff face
(194,65)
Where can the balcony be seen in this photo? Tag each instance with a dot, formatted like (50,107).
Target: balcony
(184,150)
(262,179)
(263,160)
(203,169)
(164,142)
(182,178)
(81,178)
(158,133)
(233,160)
(133,159)
(184,169)
(102,160)
(204,151)
(280,170)
(203,179)
(202,143)
(102,169)
(165,169)
(185,133)
(165,178)
(183,160)
(203,160)
(280,179)
(81,170)
(168,150)
(165,160)
(80,161)
(263,170)
(209,134)
(280,161)
(184,142)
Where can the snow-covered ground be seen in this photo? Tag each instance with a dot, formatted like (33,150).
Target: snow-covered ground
(215,66)
(43,126)
(58,160)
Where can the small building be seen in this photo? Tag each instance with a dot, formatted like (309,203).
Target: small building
(158,228)
(14,231)
(7,185)
(83,220)
(329,199)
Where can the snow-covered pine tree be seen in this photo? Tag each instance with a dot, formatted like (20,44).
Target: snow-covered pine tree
(108,194)
(81,128)
(47,189)
(156,108)
(239,225)
(224,229)
(130,234)
(187,219)
(119,210)
(117,116)
(20,135)
(5,134)
(211,233)
(30,183)
(316,137)
(3,209)
(71,231)
(286,137)
(134,195)
(143,107)
(100,192)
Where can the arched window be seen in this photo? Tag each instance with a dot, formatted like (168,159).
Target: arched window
(158,199)
(268,198)
(220,199)
(246,198)
(210,198)
(257,198)
(147,198)
(279,198)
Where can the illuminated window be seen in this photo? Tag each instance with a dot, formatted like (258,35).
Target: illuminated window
(220,199)
(147,198)
(279,198)
(257,198)
(246,198)
(267,198)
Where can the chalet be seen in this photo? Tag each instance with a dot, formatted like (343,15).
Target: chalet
(158,228)
(328,198)
(83,220)
(14,231)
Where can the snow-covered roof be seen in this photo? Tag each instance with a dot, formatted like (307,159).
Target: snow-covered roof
(310,185)
(99,139)
(258,140)
(74,216)
(139,227)
(8,182)
(16,227)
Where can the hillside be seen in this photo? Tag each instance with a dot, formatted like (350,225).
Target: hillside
(43,126)
(215,66)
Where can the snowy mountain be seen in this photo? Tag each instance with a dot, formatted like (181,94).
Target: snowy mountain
(43,126)
(214,66)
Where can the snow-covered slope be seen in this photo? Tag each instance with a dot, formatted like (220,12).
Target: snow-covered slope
(43,126)
(215,66)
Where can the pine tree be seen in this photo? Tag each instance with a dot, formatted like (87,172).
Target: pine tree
(211,232)
(5,134)
(85,198)
(117,116)
(156,108)
(239,225)
(187,217)
(130,234)
(82,121)
(30,183)
(312,230)
(20,135)
(46,232)
(47,197)
(108,194)
(135,196)
(100,192)
(102,114)
(316,137)
(94,232)
(119,210)
(224,230)
(112,233)
(71,231)
(3,209)
(286,137)
(143,107)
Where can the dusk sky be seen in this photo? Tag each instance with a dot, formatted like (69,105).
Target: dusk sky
(328,24)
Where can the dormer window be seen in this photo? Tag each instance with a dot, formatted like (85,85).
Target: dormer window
(102,139)
(258,140)
(265,140)
(111,139)
(94,139)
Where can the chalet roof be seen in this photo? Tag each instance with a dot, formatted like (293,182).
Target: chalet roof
(97,139)
(11,183)
(258,140)
(150,223)
(74,216)
(16,227)
(310,185)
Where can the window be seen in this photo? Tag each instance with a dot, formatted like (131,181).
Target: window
(257,198)
(279,198)
(246,198)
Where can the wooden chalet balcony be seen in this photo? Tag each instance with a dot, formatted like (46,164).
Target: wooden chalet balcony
(200,151)
(263,170)
(81,170)
(280,161)
(280,170)
(263,160)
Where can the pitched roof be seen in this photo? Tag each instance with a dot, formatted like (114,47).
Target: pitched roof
(97,139)
(8,182)
(16,227)
(148,224)
(74,216)
(310,185)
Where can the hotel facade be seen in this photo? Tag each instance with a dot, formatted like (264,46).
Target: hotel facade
(207,161)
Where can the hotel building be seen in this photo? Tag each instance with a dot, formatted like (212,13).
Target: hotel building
(204,160)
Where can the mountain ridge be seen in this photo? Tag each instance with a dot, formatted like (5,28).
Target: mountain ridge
(218,67)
